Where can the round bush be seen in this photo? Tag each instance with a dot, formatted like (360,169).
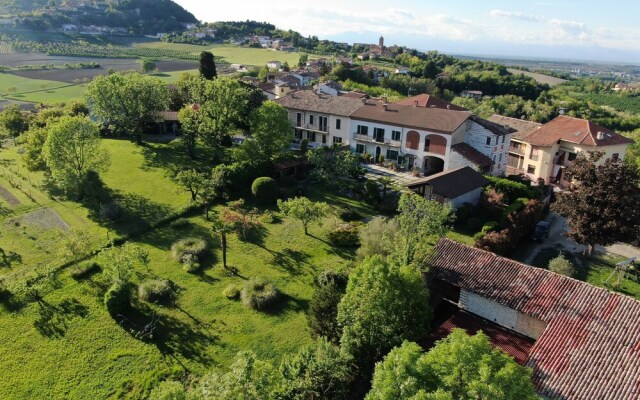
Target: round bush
(474,224)
(189,247)
(265,190)
(345,235)
(259,294)
(269,218)
(231,292)
(190,263)
(157,290)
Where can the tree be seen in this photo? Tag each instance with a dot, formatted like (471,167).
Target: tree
(75,244)
(323,309)
(208,65)
(458,367)
(319,371)
(192,181)
(147,66)
(330,164)
(303,60)
(383,306)
(222,228)
(561,265)
(263,74)
(33,143)
(601,206)
(12,122)
(271,132)
(303,209)
(169,390)
(247,379)
(76,108)
(286,67)
(190,121)
(385,181)
(129,102)
(378,237)
(420,219)
(72,149)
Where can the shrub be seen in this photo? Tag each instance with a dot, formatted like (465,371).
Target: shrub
(180,223)
(188,247)
(517,205)
(474,224)
(84,269)
(323,309)
(489,227)
(157,290)
(236,204)
(265,190)
(562,266)
(111,211)
(371,192)
(168,390)
(513,190)
(190,263)
(345,235)
(259,294)
(117,299)
(231,292)
(348,215)
(464,212)
(269,218)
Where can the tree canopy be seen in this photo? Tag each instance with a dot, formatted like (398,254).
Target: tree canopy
(12,122)
(208,65)
(271,132)
(304,210)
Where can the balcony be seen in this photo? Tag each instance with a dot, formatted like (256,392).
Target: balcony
(371,139)
(516,150)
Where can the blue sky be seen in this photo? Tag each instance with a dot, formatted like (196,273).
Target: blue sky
(586,30)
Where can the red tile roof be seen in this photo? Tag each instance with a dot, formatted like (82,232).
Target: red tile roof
(471,154)
(428,101)
(590,348)
(521,126)
(517,346)
(574,130)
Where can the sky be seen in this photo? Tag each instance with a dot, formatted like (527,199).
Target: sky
(562,29)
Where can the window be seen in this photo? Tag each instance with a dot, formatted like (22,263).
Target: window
(337,140)
(500,158)
(311,119)
(503,138)
(497,140)
(360,149)
(378,135)
(531,169)
(324,139)
(427,143)
(488,140)
(395,135)
(311,136)
(615,156)
(338,123)
(363,130)
(572,156)
(322,121)
(298,119)
(392,155)
(298,134)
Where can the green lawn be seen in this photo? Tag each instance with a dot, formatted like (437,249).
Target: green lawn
(37,90)
(252,56)
(68,347)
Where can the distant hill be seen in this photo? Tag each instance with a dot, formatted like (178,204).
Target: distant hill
(135,16)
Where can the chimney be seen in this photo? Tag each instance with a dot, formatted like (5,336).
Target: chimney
(415,103)
(385,99)
(364,100)
(448,106)
(385,105)
(600,135)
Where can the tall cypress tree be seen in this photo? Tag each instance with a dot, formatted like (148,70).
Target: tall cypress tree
(207,65)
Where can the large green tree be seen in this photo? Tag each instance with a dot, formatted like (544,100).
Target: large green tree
(460,367)
(601,206)
(304,210)
(271,132)
(420,220)
(383,306)
(127,102)
(12,122)
(190,120)
(208,65)
(72,149)
(330,164)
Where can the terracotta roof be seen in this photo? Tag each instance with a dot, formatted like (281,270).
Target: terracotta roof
(590,348)
(430,119)
(512,343)
(471,154)
(307,100)
(521,126)
(355,95)
(454,183)
(492,126)
(426,100)
(169,115)
(574,130)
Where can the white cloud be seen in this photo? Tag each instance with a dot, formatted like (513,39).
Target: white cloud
(515,15)
(569,31)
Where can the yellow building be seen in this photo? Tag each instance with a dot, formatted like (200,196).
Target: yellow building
(544,151)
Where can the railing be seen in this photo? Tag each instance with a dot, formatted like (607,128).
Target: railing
(516,150)
(371,139)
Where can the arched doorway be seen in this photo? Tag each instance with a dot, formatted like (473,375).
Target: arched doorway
(433,165)
(378,152)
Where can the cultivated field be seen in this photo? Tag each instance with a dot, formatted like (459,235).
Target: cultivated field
(540,78)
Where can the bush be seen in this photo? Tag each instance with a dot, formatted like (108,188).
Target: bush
(265,190)
(84,269)
(474,224)
(156,291)
(190,263)
(231,292)
(489,227)
(561,265)
(513,190)
(259,294)
(464,212)
(348,215)
(188,247)
(180,223)
(117,299)
(111,211)
(168,390)
(236,204)
(323,309)
(345,235)
(269,218)
(517,205)
(371,192)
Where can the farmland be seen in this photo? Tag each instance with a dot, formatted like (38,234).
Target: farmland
(540,78)
(98,357)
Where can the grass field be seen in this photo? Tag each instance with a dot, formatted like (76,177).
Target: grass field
(251,56)
(540,78)
(68,346)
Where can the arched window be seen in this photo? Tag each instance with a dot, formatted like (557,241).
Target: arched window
(436,144)
(413,140)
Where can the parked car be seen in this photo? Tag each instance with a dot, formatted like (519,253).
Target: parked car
(541,232)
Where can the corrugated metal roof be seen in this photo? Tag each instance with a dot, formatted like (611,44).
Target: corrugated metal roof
(590,348)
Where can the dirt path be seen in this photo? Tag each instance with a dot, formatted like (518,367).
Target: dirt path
(9,197)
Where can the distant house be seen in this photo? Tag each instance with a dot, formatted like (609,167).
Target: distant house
(69,28)
(472,94)
(331,88)
(403,71)
(428,101)
(582,342)
(274,64)
(456,187)
(345,60)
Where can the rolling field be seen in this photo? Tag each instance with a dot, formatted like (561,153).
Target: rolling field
(251,56)
(540,78)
